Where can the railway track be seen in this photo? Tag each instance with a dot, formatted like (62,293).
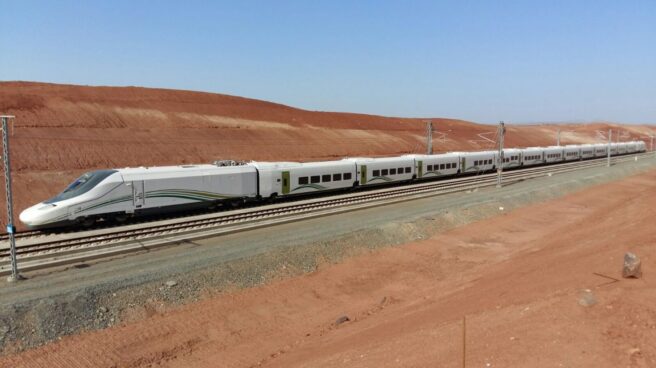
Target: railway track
(38,250)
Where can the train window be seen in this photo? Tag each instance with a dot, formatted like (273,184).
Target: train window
(392,171)
(337,177)
(82,185)
(325,178)
(429,167)
(347,176)
(376,172)
(475,163)
(315,179)
(384,172)
(302,180)
(441,166)
(399,170)
(408,170)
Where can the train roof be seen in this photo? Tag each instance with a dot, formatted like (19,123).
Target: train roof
(283,165)
(134,173)
(418,155)
(379,159)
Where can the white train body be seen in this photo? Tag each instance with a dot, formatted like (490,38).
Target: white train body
(432,166)
(512,158)
(572,153)
(474,162)
(374,171)
(290,178)
(143,190)
(121,193)
(553,154)
(532,156)
(587,151)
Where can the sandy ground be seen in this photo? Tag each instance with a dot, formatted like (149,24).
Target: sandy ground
(517,278)
(61,131)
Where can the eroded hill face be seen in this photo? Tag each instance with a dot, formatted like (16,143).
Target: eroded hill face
(63,130)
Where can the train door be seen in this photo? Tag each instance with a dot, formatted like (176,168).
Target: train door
(138,196)
(463,161)
(363,174)
(285,182)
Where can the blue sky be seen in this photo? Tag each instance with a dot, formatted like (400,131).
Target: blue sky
(518,61)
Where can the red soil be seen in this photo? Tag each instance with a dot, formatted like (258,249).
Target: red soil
(61,131)
(516,277)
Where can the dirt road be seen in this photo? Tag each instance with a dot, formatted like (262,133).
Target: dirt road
(518,278)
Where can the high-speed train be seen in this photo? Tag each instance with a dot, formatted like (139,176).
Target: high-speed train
(118,194)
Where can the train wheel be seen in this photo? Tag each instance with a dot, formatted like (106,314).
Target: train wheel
(88,221)
(119,219)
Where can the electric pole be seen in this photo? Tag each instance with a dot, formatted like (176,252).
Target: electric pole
(558,138)
(501,132)
(610,139)
(11,229)
(429,137)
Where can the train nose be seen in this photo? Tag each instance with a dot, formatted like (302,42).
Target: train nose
(35,215)
(28,216)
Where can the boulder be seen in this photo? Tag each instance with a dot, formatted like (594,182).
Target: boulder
(632,266)
(342,319)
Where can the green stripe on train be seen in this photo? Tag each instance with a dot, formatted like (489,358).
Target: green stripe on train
(383,178)
(313,186)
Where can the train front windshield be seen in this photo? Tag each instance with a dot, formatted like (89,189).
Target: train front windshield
(82,185)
